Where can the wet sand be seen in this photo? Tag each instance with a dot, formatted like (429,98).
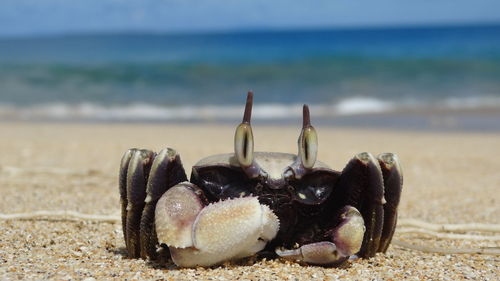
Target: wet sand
(450,177)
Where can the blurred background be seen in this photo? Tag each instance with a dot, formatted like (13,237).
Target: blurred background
(390,64)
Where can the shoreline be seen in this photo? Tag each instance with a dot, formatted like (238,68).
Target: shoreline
(473,120)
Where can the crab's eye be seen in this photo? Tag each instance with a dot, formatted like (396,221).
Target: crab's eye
(243,139)
(243,144)
(308,147)
(308,142)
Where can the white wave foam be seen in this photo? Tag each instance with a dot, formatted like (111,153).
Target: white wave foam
(89,111)
(150,112)
(359,105)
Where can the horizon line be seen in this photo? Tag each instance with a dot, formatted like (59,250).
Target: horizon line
(256,29)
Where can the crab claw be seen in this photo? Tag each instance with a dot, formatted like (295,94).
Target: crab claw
(199,235)
(347,238)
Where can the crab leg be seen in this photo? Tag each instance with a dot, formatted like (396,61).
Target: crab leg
(122,184)
(393,183)
(346,239)
(137,176)
(202,235)
(361,185)
(166,171)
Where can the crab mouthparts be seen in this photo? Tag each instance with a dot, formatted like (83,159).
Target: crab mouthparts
(275,183)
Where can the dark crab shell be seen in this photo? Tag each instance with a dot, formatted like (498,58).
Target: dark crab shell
(222,176)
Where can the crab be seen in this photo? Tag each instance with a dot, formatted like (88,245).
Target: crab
(272,204)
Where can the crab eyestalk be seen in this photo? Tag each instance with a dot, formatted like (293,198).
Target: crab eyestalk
(243,138)
(308,141)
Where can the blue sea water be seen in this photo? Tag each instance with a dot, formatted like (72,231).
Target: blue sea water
(147,76)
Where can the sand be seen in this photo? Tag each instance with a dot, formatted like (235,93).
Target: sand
(450,177)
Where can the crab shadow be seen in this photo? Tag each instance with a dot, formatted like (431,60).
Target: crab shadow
(165,263)
(121,251)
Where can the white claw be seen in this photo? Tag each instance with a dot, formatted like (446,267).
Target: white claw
(221,231)
(315,253)
(270,224)
(175,214)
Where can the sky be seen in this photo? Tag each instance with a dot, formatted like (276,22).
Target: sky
(45,17)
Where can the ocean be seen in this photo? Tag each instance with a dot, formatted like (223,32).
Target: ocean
(353,77)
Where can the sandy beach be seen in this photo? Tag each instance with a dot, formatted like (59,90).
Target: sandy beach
(450,177)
